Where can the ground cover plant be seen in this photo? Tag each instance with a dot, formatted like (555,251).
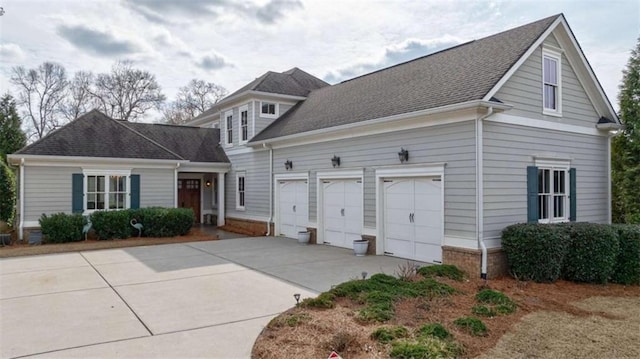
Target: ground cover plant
(434,316)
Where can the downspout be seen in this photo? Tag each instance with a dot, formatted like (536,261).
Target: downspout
(21,227)
(610,136)
(480,192)
(264,145)
(175,185)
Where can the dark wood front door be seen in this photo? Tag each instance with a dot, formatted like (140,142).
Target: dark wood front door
(189,196)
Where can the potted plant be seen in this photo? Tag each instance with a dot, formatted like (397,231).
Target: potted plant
(360,247)
(303,237)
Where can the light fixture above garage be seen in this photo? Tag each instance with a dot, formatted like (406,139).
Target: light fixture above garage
(288,165)
(335,161)
(403,155)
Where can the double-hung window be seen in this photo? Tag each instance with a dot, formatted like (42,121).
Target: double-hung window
(244,124)
(229,128)
(551,187)
(240,190)
(106,190)
(551,82)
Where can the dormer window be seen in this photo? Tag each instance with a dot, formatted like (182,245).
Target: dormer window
(551,83)
(268,109)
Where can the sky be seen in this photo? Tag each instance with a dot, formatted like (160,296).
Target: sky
(231,42)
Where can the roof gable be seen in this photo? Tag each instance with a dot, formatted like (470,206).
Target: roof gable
(94,134)
(463,73)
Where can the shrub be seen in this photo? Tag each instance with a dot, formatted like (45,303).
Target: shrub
(162,222)
(484,311)
(442,270)
(325,300)
(388,334)
(111,224)
(435,330)
(427,348)
(535,251)
(8,191)
(592,253)
(627,268)
(501,303)
(62,227)
(473,326)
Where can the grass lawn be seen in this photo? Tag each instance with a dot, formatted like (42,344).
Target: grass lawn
(431,316)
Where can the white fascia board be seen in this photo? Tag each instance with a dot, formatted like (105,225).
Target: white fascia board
(460,112)
(522,59)
(79,161)
(545,125)
(205,167)
(202,120)
(228,101)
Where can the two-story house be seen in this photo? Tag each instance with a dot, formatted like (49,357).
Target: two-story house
(429,159)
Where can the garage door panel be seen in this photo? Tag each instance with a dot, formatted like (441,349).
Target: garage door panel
(342,212)
(293,210)
(428,252)
(400,247)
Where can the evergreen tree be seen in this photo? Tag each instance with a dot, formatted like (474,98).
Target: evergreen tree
(11,136)
(625,162)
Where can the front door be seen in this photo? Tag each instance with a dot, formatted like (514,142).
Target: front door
(189,196)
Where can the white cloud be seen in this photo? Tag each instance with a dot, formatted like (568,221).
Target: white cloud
(11,53)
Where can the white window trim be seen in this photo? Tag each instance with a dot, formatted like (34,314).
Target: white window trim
(556,165)
(105,173)
(265,115)
(238,175)
(240,110)
(228,142)
(557,56)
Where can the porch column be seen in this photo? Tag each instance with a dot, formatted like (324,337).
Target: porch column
(221,203)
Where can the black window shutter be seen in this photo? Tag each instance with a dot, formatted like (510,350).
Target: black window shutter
(135,191)
(572,195)
(77,193)
(532,194)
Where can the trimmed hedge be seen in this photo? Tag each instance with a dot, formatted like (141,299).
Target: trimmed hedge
(8,193)
(156,221)
(581,252)
(61,227)
(592,254)
(535,251)
(627,270)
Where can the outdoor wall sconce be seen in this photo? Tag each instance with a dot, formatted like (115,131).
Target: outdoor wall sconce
(288,165)
(403,155)
(335,161)
(208,183)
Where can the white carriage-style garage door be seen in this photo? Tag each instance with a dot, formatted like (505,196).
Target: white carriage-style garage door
(413,210)
(293,207)
(342,212)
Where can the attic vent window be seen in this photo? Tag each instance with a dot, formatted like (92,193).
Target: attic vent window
(268,109)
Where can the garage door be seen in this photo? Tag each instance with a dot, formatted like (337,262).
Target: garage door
(293,209)
(413,218)
(342,212)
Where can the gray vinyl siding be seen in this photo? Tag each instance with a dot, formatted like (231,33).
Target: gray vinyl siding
(261,122)
(156,187)
(47,190)
(509,149)
(256,167)
(524,91)
(453,144)
(255,122)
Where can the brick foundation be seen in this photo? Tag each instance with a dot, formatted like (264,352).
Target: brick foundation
(245,226)
(470,261)
(371,250)
(313,235)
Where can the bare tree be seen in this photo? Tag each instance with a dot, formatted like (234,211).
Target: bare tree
(79,99)
(41,93)
(127,93)
(193,99)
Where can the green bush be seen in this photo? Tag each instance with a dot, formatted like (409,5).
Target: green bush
(8,191)
(473,326)
(162,222)
(442,270)
(592,254)
(535,251)
(435,330)
(61,227)
(111,224)
(325,300)
(627,269)
(426,348)
(388,334)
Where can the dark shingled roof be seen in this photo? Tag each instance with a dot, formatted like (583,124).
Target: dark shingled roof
(459,74)
(96,135)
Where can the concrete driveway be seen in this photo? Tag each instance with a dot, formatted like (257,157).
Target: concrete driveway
(199,299)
